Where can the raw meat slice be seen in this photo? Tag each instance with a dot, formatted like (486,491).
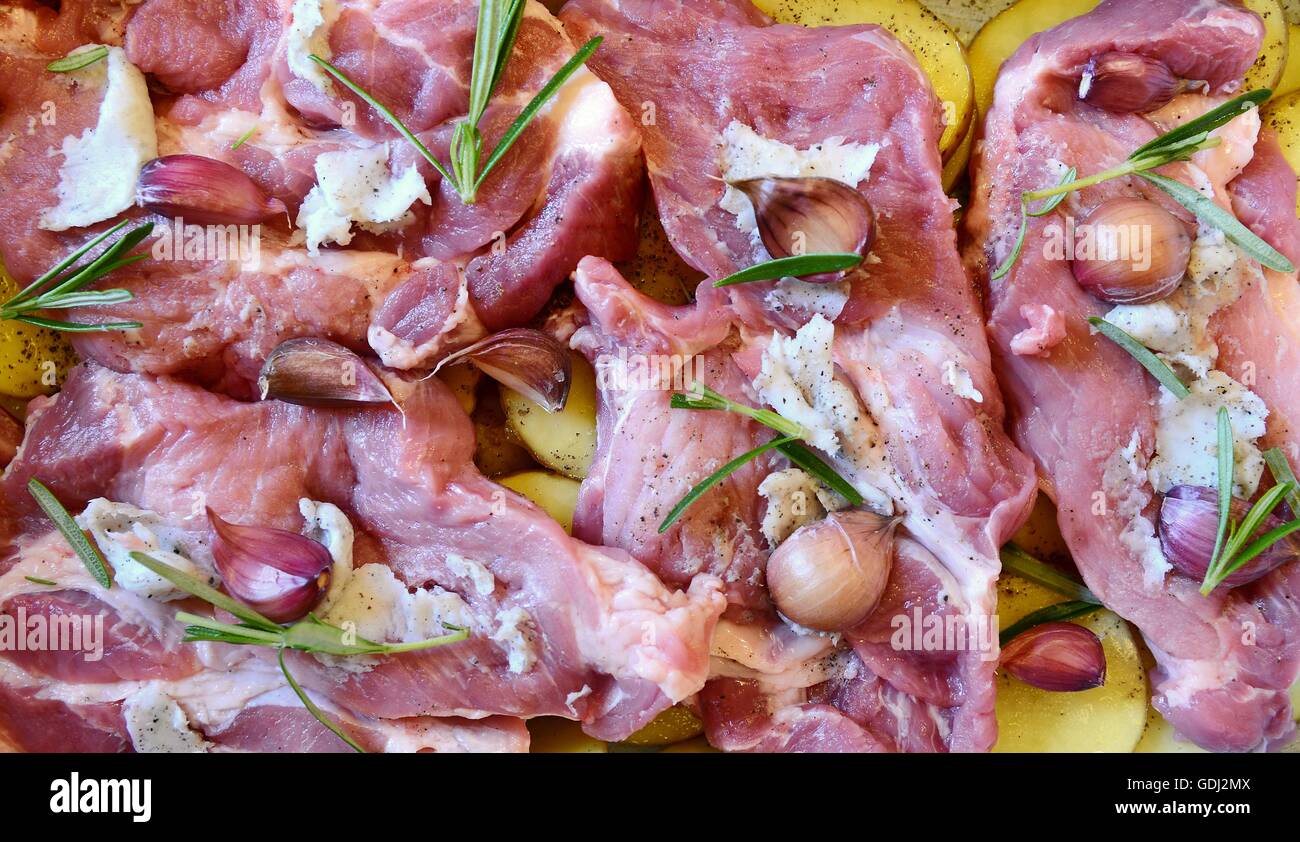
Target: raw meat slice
(726,85)
(559,627)
(1085,410)
(569,187)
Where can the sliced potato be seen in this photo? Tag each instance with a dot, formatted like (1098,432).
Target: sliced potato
(699,745)
(463,381)
(1160,738)
(675,725)
(657,270)
(1110,718)
(1267,69)
(935,46)
(1283,116)
(495,450)
(556,495)
(564,441)
(1040,536)
(33,360)
(954,169)
(554,735)
(1004,34)
(1289,82)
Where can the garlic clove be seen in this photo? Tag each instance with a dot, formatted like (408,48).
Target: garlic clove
(532,363)
(1189,523)
(317,372)
(280,574)
(1139,252)
(204,191)
(1061,657)
(830,575)
(799,216)
(1127,83)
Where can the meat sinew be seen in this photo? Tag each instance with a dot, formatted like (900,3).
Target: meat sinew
(891,362)
(1107,438)
(557,627)
(409,267)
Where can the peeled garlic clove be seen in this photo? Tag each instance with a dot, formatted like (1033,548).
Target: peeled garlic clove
(1139,253)
(532,363)
(204,191)
(280,574)
(1127,83)
(1061,657)
(810,216)
(830,575)
(318,372)
(1189,523)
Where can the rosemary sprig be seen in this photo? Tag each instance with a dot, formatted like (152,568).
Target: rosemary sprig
(1231,550)
(1280,468)
(718,476)
(1143,355)
(796,266)
(1051,614)
(1050,205)
(81,545)
(310,634)
(64,285)
(704,398)
(243,138)
(36,580)
(1024,565)
(494,39)
(78,59)
(1178,144)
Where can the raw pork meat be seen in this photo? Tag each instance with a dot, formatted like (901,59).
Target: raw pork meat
(1085,409)
(727,87)
(441,275)
(558,627)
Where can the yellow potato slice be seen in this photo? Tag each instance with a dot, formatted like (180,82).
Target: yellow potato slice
(657,270)
(935,46)
(463,380)
(1160,738)
(1289,82)
(1004,34)
(1110,718)
(33,360)
(1267,69)
(554,735)
(556,495)
(563,441)
(675,725)
(496,453)
(696,746)
(956,167)
(1283,116)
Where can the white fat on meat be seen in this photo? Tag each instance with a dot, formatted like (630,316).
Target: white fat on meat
(959,380)
(308,33)
(517,634)
(158,725)
(794,498)
(747,154)
(380,607)
(798,380)
(120,529)
(328,526)
(1126,485)
(101,166)
(1187,436)
(356,186)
